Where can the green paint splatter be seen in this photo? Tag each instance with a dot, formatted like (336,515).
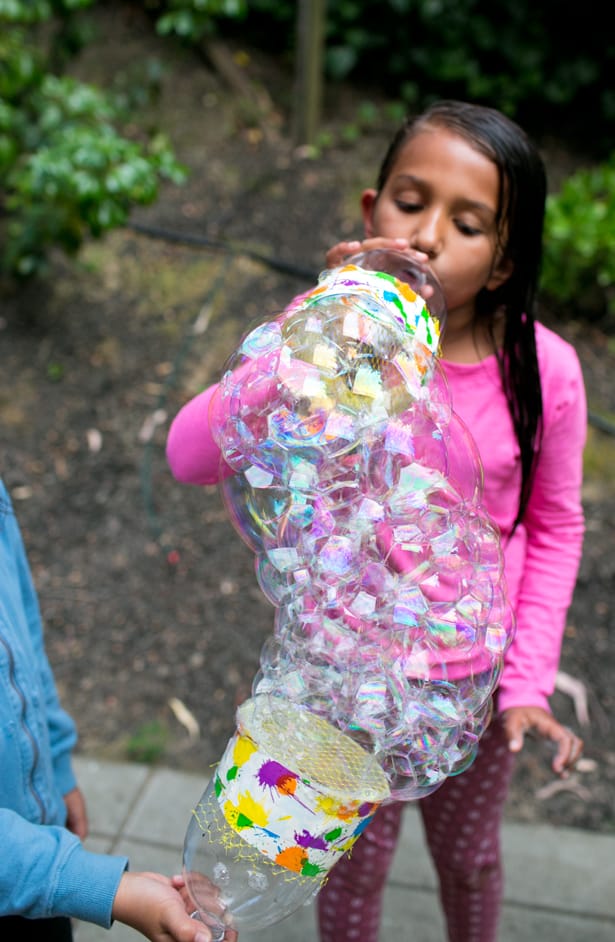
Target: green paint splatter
(333,835)
(427,318)
(394,299)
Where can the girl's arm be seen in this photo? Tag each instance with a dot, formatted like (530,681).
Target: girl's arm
(554,525)
(192,452)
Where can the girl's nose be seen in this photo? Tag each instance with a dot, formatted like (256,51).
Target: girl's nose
(427,235)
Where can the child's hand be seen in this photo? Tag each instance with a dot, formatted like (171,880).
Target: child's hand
(341,252)
(151,904)
(213,904)
(76,813)
(521,720)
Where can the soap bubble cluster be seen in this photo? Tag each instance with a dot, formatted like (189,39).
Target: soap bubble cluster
(359,490)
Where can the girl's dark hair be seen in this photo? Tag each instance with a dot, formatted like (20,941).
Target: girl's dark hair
(520,218)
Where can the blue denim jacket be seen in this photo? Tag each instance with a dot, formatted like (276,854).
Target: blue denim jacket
(44,869)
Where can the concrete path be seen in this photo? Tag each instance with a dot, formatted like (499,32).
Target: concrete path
(560,883)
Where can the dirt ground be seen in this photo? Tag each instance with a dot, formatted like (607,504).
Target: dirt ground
(153,616)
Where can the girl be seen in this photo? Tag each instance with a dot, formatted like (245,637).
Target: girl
(462,188)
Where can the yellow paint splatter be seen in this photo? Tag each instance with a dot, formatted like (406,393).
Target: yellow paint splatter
(246,810)
(335,809)
(244,748)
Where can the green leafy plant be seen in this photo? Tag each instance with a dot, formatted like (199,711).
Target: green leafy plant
(67,170)
(193,19)
(579,260)
(148,743)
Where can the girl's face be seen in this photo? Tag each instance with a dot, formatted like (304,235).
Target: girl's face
(442,195)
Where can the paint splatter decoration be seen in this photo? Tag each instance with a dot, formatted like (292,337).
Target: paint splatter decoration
(303,812)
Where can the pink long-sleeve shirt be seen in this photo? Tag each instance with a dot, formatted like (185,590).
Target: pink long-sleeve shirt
(542,557)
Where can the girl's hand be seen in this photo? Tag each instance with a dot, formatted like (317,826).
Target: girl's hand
(521,720)
(341,252)
(76,813)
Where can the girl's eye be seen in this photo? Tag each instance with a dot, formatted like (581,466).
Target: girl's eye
(409,206)
(467,229)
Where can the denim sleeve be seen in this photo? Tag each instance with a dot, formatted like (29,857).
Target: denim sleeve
(61,728)
(45,871)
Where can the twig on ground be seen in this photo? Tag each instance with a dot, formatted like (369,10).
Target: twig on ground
(571,784)
(577,691)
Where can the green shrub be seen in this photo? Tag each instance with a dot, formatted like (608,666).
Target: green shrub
(541,63)
(193,19)
(579,259)
(66,169)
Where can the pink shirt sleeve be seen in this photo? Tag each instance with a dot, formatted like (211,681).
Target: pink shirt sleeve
(554,528)
(192,452)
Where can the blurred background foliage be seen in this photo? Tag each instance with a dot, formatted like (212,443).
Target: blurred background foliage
(549,61)
(74,165)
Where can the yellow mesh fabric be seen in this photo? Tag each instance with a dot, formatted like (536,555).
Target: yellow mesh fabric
(314,749)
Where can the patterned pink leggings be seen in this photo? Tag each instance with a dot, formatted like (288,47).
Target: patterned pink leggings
(462,827)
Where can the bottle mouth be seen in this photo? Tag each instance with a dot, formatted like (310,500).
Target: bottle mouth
(405,267)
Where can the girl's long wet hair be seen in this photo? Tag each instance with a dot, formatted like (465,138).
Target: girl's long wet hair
(520,218)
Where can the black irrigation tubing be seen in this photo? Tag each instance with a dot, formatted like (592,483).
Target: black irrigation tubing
(187,238)
(602,424)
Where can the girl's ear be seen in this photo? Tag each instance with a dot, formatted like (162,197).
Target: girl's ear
(368,201)
(501,272)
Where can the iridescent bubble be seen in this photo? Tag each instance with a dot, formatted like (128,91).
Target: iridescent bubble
(359,490)
(255,506)
(275,585)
